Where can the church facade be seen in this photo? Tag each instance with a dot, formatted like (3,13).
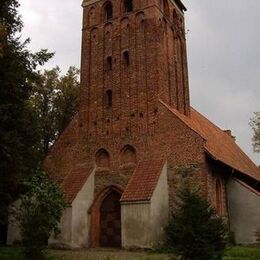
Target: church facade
(136,139)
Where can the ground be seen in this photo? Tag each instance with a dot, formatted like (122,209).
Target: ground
(234,253)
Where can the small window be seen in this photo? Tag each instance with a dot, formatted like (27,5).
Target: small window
(109,98)
(128,5)
(109,63)
(126,58)
(108,11)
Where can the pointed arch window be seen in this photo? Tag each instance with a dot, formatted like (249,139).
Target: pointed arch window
(102,158)
(108,11)
(128,155)
(128,6)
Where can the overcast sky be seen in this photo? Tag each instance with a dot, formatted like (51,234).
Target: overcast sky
(223,51)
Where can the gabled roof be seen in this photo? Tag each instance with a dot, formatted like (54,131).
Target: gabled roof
(74,182)
(143,181)
(220,145)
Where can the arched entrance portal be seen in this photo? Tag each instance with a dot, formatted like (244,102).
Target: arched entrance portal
(105,229)
(110,221)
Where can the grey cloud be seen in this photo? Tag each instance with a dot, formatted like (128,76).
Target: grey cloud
(224,62)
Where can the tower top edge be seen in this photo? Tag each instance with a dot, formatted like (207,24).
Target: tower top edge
(177,3)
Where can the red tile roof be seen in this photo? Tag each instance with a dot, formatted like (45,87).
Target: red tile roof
(74,182)
(143,181)
(219,144)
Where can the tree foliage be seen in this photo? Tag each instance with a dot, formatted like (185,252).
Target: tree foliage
(18,131)
(39,213)
(55,100)
(255,124)
(35,107)
(195,231)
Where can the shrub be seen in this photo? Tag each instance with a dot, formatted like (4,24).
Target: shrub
(195,230)
(39,214)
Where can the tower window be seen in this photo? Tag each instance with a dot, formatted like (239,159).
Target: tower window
(108,11)
(126,58)
(109,98)
(128,5)
(109,63)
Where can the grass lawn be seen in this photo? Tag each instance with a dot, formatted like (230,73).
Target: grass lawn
(243,253)
(10,253)
(15,253)
(234,253)
(102,254)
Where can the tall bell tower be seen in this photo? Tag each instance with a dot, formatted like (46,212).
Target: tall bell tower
(133,55)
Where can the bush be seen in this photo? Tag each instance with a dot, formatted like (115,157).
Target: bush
(39,214)
(195,230)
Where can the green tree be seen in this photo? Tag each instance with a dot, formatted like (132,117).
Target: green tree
(18,132)
(42,102)
(67,99)
(195,231)
(255,124)
(39,213)
(55,100)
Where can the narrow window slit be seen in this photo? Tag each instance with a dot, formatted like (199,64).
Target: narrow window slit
(109,63)
(108,11)
(128,5)
(109,98)
(126,58)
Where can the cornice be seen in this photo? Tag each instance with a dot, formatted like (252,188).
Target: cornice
(177,3)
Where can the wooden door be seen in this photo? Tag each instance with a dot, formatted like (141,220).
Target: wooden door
(110,221)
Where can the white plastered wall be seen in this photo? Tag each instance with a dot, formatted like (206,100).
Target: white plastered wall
(80,215)
(160,208)
(244,212)
(74,225)
(75,222)
(143,222)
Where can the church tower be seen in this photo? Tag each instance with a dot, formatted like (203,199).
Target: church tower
(133,54)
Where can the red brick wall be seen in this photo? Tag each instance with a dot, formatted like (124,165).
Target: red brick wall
(158,67)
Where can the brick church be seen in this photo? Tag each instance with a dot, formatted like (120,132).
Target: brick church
(136,138)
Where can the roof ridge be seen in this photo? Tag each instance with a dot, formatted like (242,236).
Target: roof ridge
(205,118)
